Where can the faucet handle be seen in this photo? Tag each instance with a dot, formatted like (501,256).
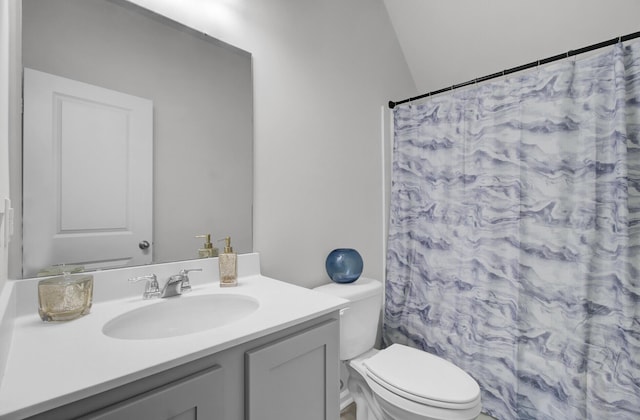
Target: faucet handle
(186,286)
(152,288)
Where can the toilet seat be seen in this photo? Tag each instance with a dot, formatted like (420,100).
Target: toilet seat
(398,407)
(401,370)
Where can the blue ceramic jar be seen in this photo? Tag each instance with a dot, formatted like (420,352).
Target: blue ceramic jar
(344,265)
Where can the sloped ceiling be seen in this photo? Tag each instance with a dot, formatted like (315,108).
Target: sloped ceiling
(446,42)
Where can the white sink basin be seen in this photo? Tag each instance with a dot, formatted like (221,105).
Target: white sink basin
(180,315)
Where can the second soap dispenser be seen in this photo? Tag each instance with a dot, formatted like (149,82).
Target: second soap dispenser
(228,262)
(207,250)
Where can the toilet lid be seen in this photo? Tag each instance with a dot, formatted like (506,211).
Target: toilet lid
(416,373)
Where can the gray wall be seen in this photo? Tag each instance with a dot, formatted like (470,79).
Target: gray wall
(203,122)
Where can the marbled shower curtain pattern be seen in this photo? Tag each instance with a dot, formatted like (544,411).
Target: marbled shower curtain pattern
(514,239)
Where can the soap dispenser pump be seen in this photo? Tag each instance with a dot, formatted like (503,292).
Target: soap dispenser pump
(228,263)
(207,250)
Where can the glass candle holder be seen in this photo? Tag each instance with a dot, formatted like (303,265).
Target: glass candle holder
(65,298)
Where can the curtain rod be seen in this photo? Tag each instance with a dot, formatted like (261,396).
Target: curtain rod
(392,104)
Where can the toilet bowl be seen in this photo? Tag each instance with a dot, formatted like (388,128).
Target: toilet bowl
(410,384)
(398,382)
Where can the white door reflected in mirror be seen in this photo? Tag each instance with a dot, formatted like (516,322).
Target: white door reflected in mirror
(98,219)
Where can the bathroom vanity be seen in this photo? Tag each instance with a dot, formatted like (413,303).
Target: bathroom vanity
(276,362)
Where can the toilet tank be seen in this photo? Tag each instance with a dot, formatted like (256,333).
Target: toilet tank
(359,321)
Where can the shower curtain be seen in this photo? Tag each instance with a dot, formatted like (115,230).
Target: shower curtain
(514,237)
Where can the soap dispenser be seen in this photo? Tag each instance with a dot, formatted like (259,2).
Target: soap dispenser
(207,250)
(228,262)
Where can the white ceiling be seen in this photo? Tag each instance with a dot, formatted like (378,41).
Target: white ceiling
(446,42)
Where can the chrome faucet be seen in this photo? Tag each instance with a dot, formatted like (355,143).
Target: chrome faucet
(178,284)
(175,286)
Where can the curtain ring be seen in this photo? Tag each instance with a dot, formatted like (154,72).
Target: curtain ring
(569,57)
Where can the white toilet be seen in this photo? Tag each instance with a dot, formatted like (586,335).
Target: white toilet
(399,382)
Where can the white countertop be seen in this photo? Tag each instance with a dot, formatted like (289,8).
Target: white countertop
(51,364)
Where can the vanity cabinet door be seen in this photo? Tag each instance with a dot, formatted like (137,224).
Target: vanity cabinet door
(296,377)
(196,397)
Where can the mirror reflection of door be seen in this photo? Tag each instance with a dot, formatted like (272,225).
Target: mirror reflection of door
(102,218)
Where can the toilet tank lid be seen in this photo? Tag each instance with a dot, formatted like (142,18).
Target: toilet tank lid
(359,289)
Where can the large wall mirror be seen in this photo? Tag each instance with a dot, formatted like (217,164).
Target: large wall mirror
(202,96)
